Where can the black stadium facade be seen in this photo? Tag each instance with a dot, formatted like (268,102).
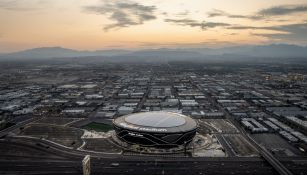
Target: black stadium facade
(155,129)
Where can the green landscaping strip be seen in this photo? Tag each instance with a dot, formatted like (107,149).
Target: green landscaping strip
(98,127)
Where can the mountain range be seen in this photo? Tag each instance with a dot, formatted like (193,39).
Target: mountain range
(268,51)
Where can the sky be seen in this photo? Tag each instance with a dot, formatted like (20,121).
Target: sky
(134,24)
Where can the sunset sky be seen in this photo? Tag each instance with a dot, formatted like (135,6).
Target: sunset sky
(107,24)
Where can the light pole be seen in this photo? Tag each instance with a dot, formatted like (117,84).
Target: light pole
(86,165)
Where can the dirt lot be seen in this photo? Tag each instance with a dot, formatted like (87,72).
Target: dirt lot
(66,136)
(240,146)
(278,145)
(101,145)
(216,126)
(55,120)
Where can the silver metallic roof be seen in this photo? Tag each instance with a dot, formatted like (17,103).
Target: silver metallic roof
(156,119)
(157,122)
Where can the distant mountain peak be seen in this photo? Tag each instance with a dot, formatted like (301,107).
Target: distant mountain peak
(273,50)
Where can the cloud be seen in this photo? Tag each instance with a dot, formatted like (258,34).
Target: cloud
(193,23)
(124,14)
(218,13)
(239,27)
(283,10)
(7,4)
(262,14)
(284,28)
(22,5)
(178,45)
(287,33)
(182,14)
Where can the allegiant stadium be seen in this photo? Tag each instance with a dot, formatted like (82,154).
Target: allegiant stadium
(155,129)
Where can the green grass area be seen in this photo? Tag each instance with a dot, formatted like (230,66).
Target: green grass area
(100,127)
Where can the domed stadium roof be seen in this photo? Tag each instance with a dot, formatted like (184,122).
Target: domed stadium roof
(156,119)
(156,122)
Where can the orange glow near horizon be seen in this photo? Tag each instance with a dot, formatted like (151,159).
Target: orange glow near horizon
(173,23)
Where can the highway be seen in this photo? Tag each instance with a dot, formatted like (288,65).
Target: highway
(225,144)
(263,151)
(132,167)
(198,164)
(271,159)
(280,168)
(30,156)
(18,125)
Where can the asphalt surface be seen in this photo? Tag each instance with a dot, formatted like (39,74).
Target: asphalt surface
(134,167)
(16,126)
(230,152)
(26,155)
(36,156)
(20,156)
(274,162)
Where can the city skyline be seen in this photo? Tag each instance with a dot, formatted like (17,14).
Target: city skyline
(97,24)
